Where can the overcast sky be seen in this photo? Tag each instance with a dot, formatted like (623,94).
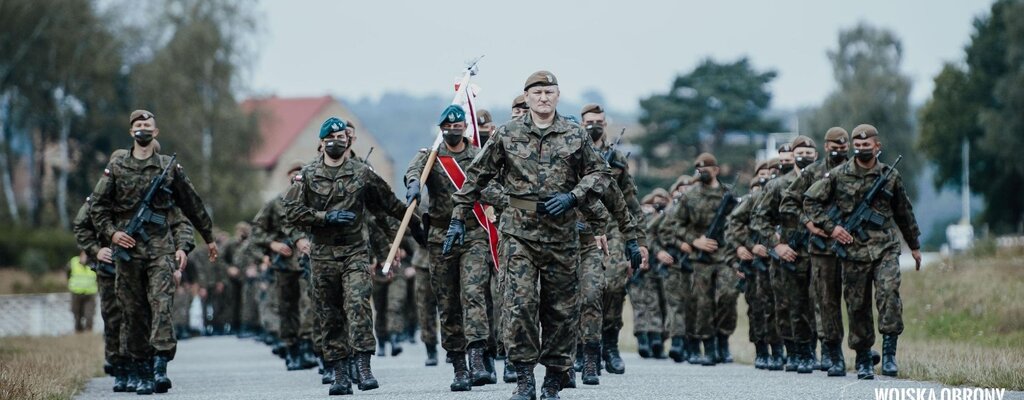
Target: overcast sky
(625,49)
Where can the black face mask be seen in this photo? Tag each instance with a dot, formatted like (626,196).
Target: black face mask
(659,207)
(704,177)
(837,156)
(803,162)
(596,132)
(762,181)
(484,137)
(143,137)
(785,168)
(863,155)
(335,148)
(453,137)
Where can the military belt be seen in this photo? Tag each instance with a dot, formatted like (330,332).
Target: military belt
(527,204)
(443,224)
(338,240)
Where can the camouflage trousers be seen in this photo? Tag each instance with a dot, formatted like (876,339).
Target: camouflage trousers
(461,282)
(756,330)
(679,312)
(293,306)
(765,297)
(110,311)
(231,302)
(145,289)
(616,271)
(592,289)
(343,303)
(182,303)
(714,292)
(647,296)
(781,311)
(826,280)
(268,300)
(495,300)
(250,311)
(426,307)
(541,312)
(858,278)
(389,305)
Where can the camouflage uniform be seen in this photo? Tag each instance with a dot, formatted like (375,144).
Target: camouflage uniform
(646,293)
(616,266)
(534,163)
(269,226)
(91,242)
(144,285)
(679,314)
(388,293)
(426,303)
(739,234)
(231,298)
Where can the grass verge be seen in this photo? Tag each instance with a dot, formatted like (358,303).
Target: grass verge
(48,367)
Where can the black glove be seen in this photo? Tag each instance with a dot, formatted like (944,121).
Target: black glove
(633,254)
(455,235)
(339,217)
(560,203)
(412,191)
(418,234)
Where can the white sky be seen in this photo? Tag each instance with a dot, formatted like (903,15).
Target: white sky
(625,49)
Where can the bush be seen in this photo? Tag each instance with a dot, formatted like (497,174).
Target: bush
(50,248)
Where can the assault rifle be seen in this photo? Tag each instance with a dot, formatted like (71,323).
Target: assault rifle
(144,214)
(863,214)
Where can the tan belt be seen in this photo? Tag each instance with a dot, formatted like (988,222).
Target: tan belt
(523,204)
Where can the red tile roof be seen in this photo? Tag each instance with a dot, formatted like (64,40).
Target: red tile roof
(281,121)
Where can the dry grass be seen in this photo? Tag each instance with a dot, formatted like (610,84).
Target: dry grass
(16,281)
(48,367)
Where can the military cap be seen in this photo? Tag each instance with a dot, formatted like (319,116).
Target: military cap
(591,108)
(836,134)
(648,199)
(452,114)
(331,125)
(540,78)
(755,181)
(773,163)
(519,102)
(785,148)
(659,192)
(705,160)
(483,117)
(762,165)
(864,131)
(802,141)
(139,115)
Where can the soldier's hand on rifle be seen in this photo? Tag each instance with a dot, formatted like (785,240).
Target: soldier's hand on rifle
(645,256)
(339,217)
(744,254)
(602,243)
(760,250)
(412,191)
(560,203)
(181,258)
(785,252)
(212,246)
(455,236)
(816,231)
(636,259)
(917,259)
(123,239)
(705,244)
(840,234)
(303,245)
(685,248)
(665,258)
(281,248)
(105,255)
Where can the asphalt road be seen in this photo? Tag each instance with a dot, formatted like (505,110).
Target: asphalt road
(226,368)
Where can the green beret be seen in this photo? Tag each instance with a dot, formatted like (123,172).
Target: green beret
(331,125)
(139,115)
(802,141)
(540,78)
(591,108)
(864,131)
(452,114)
(706,160)
(483,117)
(836,134)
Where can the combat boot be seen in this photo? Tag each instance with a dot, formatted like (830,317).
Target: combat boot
(826,357)
(108,367)
(889,367)
(761,355)
(307,359)
(577,364)
(865,369)
(569,379)
(396,345)
(461,382)
(526,384)
(612,360)
(675,352)
(778,355)
(120,376)
(477,371)
(791,354)
(145,371)
(431,355)
(591,363)
(838,367)
(657,345)
(710,354)
(552,384)
(693,355)
(381,350)
(161,382)
(132,371)
(340,382)
(723,349)
(643,345)
(812,353)
(509,373)
(291,359)
(803,362)
(492,376)
(327,373)
(366,379)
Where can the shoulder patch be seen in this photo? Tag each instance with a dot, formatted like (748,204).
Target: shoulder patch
(297,178)
(106,172)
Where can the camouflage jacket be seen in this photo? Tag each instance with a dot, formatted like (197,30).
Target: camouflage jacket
(610,213)
(692,216)
(845,185)
(269,226)
(119,192)
(535,164)
(90,241)
(441,189)
(619,167)
(738,232)
(793,197)
(766,220)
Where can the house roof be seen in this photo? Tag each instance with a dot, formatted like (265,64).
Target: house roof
(281,122)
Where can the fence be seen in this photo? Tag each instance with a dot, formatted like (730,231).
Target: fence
(40,315)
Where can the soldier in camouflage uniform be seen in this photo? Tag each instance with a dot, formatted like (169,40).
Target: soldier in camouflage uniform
(876,260)
(460,280)
(332,199)
(826,279)
(712,279)
(647,292)
(145,285)
(546,165)
(388,290)
(677,281)
(426,304)
(231,297)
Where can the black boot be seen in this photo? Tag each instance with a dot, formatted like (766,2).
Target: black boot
(431,355)
(132,371)
(461,382)
(865,368)
(813,354)
(161,382)
(791,354)
(108,367)
(120,376)
(492,376)
(291,359)
(381,350)
(526,385)
(643,345)
(693,351)
(340,382)
(552,384)
(569,379)
(778,357)
(591,363)
(509,374)
(838,367)
(307,359)
(366,379)
(803,363)
(327,373)
(761,355)
(826,357)
(710,353)
(477,371)
(889,367)
(612,360)
(396,345)
(145,371)
(675,352)
(657,345)
(723,349)
(577,364)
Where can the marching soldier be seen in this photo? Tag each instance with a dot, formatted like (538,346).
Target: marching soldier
(647,293)
(519,107)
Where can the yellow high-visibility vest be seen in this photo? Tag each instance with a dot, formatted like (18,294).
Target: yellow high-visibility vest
(83,279)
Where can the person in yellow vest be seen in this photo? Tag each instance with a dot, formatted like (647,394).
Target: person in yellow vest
(82,285)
